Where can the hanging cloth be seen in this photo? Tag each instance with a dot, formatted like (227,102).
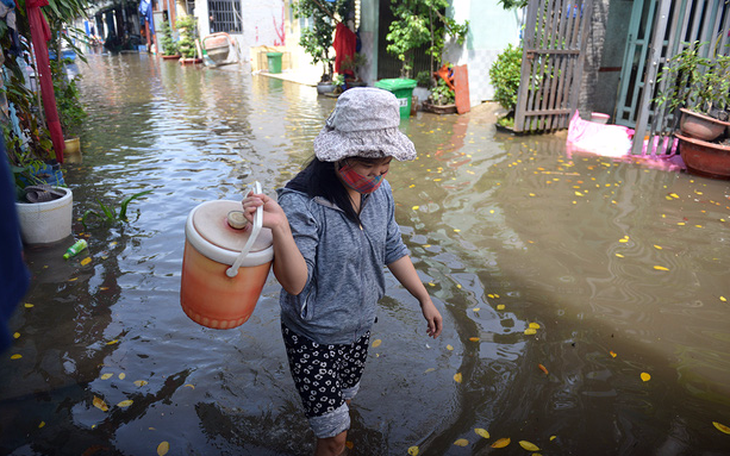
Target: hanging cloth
(344,44)
(40,34)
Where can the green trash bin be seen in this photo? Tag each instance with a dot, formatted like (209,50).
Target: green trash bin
(402,89)
(274,59)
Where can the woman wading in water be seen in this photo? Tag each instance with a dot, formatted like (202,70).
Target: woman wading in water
(334,229)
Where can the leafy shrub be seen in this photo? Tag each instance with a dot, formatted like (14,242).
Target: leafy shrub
(505,77)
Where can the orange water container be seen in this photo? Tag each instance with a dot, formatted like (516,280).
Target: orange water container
(224,266)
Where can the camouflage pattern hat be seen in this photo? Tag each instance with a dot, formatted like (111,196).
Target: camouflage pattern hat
(364,124)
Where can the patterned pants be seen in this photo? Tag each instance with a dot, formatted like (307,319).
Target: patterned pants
(326,376)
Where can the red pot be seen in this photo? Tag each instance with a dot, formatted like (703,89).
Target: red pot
(705,158)
(701,126)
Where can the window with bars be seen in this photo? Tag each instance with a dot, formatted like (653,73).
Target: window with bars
(226,16)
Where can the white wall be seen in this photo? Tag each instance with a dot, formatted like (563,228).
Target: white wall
(491,29)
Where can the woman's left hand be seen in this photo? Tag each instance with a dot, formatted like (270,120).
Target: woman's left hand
(433,318)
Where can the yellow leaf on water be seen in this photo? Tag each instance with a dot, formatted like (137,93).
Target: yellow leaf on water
(449,347)
(613,354)
(73,280)
(16,356)
(413,451)
(578,194)
(461,442)
(163,448)
(482,432)
(107,376)
(501,443)
(658,247)
(28,305)
(457,377)
(190,385)
(140,382)
(722,298)
(474,339)
(721,427)
(645,377)
(41,424)
(553,437)
(122,376)
(674,195)
(661,268)
(529,446)
(85,261)
(350,445)
(476,309)
(100,404)
(112,342)
(126,403)
(530,331)
(500,307)
(376,343)
(430,369)
(415,208)
(619,255)
(534,325)
(17,334)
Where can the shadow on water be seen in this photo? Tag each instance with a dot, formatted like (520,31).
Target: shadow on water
(509,234)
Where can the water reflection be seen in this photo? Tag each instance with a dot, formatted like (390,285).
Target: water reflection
(506,232)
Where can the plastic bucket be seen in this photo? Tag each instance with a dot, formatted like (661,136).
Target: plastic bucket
(403,91)
(46,222)
(224,267)
(274,59)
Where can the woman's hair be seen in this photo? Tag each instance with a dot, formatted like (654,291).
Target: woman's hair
(319,178)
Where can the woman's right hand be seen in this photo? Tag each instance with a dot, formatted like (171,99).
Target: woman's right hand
(274,215)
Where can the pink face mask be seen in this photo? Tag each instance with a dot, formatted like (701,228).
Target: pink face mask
(358,182)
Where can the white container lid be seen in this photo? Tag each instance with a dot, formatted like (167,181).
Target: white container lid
(208,230)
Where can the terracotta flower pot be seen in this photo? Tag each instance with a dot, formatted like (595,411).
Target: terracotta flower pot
(700,126)
(705,158)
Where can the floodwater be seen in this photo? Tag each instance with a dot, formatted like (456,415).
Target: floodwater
(621,269)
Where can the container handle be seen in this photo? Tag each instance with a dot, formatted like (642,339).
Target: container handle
(258,220)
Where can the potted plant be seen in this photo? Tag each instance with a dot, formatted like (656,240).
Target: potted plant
(442,99)
(188,35)
(317,39)
(170,50)
(71,114)
(699,88)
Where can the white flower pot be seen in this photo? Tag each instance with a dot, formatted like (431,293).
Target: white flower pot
(50,221)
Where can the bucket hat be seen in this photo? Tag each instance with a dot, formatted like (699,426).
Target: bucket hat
(365,124)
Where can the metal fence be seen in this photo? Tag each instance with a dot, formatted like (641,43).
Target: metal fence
(226,16)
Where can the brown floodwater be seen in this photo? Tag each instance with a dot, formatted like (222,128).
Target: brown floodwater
(619,268)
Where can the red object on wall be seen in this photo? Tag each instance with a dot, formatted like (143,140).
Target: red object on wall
(40,34)
(344,44)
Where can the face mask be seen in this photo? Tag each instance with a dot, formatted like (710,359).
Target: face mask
(358,182)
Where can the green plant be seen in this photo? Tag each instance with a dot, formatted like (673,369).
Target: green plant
(188,34)
(418,23)
(424,78)
(169,46)
(354,63)
(701,84)
(317,39)
(71,112)
(513,4)
(505,76)
(442,94)
(109,213)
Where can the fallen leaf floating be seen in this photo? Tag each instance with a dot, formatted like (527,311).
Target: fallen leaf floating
(661,268)
(530,331)
(474,339)
(16,356)
(613,354)
(126,403)
(534,325)
(449,347)
(122,376)
(85,261)
(543,368)
(376,343)
(413,451)
(461,442)
(41,424)
(482,433)
(107,376)
(457,377)
(140,382)
(163,448)
(645,377)
(100,404)
(529,446)
(501,443)
(553,437)
(721,427)
(722,298)
(350,445)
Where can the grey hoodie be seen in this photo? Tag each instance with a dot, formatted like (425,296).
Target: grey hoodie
(345,262)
